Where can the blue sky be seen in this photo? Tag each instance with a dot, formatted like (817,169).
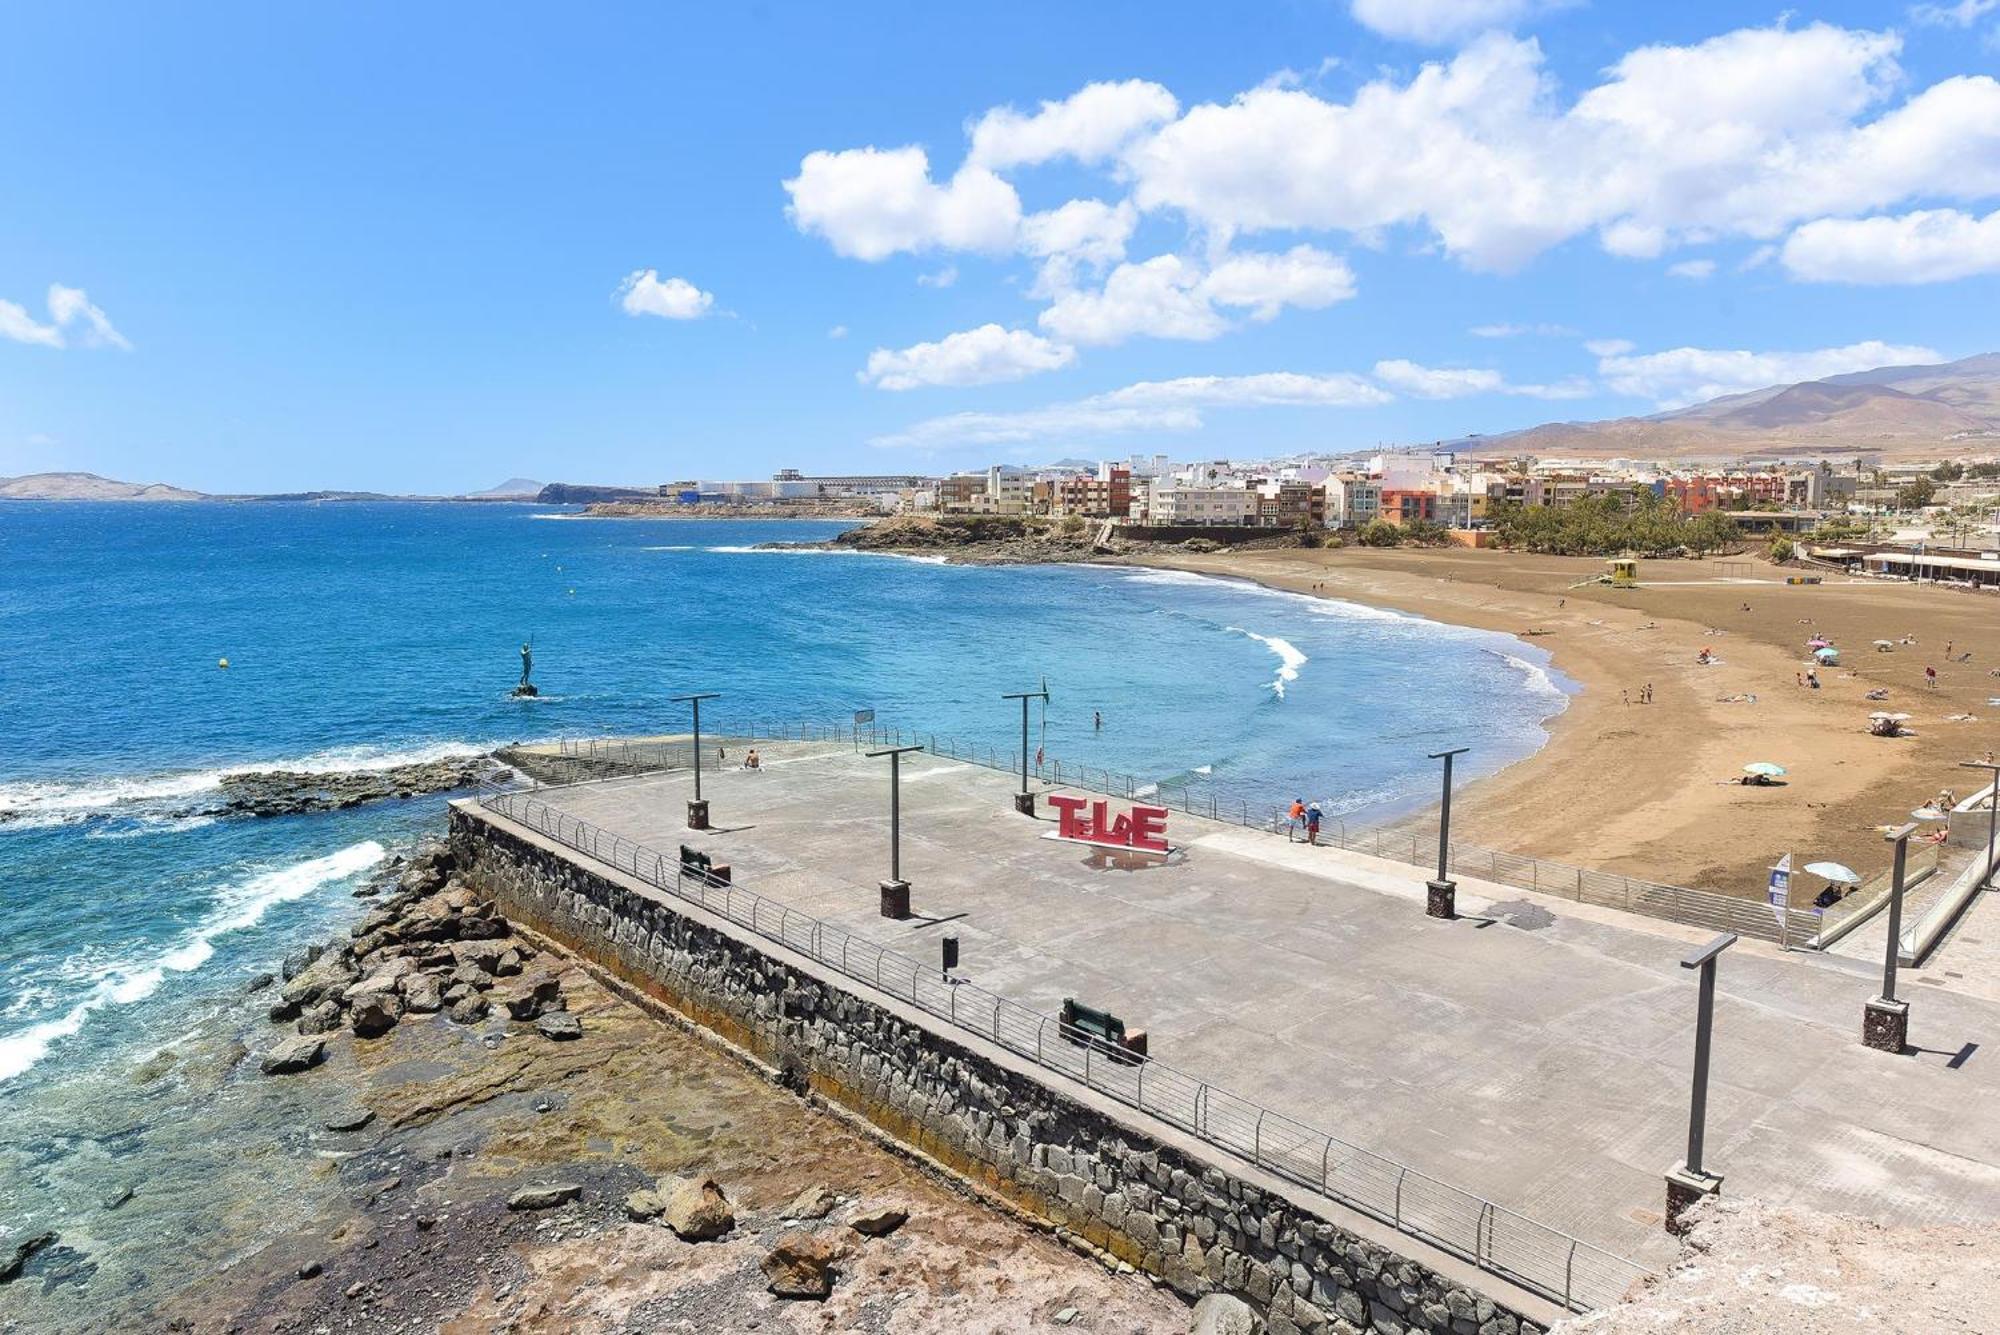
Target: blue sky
(257,247)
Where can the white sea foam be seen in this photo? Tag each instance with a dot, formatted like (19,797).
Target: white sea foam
(1539,679)
(35,803)
(681,547)
(236,907)
(829,551)
(1290,659)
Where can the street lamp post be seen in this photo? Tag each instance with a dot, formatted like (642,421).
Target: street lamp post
(1885,1021)
(895,890)
(1441,898)
(697,807)
(1024,801)
(1992,769)
(1689,1181)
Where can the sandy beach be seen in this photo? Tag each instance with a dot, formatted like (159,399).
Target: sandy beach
(1641,788)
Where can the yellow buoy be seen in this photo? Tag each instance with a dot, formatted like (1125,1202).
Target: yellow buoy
(222,662)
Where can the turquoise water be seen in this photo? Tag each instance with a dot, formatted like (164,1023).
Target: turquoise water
(362,635)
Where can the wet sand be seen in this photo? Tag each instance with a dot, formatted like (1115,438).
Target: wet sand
(1639,788)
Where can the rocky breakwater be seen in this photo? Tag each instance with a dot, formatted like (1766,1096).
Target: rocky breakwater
(496,1175)
(432,946)
(279,792)
(972,539)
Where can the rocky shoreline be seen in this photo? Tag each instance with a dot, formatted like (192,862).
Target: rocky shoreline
(1002,540)
(454,1125)
(294,792)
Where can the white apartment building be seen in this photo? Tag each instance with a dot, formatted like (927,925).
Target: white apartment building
(1202,505)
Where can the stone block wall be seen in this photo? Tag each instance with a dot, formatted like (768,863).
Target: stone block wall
(1197,1227)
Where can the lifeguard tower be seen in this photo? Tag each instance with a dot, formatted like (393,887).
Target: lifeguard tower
(1622,573)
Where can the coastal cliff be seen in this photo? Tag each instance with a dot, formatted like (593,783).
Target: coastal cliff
(1016,540)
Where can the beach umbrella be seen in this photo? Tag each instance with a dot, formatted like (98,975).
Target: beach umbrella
(1817,643)
(1833,871)
(1927,813)
(1765,768)
(1885,644)
(1827,655)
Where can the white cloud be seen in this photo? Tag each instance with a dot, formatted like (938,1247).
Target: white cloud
(1431,382)
(1152,405)
(644,292)
(1089,125)
(71,306)
(1264,284)
(1695,270)
(70,310)
(1336,389)
(1441,20)
(1929,246)
(1056,422)
(981,356)
(1608,347)
(870,203)
(944,277)
(1746,134)
(1961,15)
(838,331)
(1681,376)
(21,327)
(1084,234)
(1170,296)
(1521,330)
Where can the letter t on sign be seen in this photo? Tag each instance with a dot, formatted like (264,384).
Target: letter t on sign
(1066,809)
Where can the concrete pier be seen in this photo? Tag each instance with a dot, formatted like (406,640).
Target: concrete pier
(1534,1052)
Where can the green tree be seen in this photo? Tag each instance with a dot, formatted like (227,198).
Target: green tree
(1379,533)
(1916,494)
(1781,549)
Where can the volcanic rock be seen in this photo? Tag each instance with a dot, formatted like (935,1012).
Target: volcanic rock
(559,1025)
(815,1202)
(697,1211)
(800,1265)
(375,1014)
(293,1054)
(878,1223)
(17,1256)
(544,1198)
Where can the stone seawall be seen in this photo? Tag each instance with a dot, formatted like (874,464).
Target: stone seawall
(1130,1194)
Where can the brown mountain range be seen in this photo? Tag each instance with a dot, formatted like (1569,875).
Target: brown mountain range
(1895,411)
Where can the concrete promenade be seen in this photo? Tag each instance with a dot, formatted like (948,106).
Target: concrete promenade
(1534,1051)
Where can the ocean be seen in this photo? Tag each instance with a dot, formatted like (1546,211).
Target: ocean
(363,635)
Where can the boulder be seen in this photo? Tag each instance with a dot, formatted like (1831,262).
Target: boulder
(473,928)
(800,1265)
(298,962)
(559,1025)
(1221,1314)
(815,1202)
(696,1210)
(283,1011)
(482,955)
(644,1204)
(351,1118)
(258,982)
(430,927)
(376,1014)
(469,1010)
(527,997)
(329,973)
(321,1018)
(384,984)
(293,1054)
(878,1223)
(544,1198)
(13,1258)
(469,974)
(507,963)
(420,994)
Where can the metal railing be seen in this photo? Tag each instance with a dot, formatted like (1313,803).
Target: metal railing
(1498,1240)
(1671,903)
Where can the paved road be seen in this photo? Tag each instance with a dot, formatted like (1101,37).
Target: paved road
(1535,1051)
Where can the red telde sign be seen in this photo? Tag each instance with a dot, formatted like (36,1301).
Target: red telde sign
(1145,828)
